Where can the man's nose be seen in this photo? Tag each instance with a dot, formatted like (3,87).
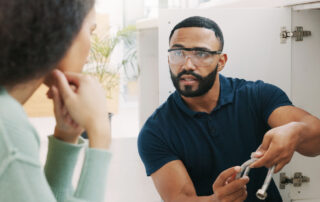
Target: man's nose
(188,65)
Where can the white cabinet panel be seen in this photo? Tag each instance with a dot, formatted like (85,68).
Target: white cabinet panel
(296,2)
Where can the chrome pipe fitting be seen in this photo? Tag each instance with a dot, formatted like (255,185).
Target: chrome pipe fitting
(244,171)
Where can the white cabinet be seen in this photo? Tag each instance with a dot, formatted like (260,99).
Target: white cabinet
(148,62)
(298,2)
(295,4)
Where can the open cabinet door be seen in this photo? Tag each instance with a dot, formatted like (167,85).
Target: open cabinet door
(306,94)
(252,42)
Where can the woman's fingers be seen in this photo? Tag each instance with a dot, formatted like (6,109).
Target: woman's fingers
(63,85)
(57,105)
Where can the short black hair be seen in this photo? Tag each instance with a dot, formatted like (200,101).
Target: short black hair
(36,34)
(198,21)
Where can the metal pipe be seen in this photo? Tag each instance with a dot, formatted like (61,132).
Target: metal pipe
(244,171)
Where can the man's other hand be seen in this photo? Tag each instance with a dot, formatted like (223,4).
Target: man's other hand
(226,188)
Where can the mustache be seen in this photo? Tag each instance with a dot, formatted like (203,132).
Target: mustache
(184,72)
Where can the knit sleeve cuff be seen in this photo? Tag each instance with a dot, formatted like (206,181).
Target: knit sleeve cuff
(61,161)
(94,174)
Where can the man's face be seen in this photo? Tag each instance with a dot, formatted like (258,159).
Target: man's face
(193,73)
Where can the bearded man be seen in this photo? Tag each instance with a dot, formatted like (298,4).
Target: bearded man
(193,144)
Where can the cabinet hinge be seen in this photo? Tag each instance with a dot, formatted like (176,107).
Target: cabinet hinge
(299,33)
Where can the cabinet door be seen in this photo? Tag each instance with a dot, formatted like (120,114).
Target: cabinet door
(252,42)
(306,94)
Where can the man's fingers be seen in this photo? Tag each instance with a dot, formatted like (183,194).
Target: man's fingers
(242,197)
(263,152)
(232,178)
(225,175)
(236,185)
(63,84)
(236,195)
(264,146)
(228,191)
(280,166)
(258,154)
(267,160)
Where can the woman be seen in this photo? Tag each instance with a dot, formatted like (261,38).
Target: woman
(40,40)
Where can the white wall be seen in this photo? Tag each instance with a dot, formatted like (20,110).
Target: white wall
(148,80)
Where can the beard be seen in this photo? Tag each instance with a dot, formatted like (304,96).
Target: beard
(204,83)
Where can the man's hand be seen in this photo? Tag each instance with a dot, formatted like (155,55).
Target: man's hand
(278,146)
(226,188)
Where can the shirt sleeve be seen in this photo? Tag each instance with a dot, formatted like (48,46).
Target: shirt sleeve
(153,149)
(270,98)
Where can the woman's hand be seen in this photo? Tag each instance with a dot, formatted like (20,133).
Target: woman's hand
(66,128)
(86,105)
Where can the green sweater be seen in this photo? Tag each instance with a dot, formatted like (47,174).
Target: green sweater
(21,175)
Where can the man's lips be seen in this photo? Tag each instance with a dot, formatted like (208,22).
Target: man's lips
(188,80)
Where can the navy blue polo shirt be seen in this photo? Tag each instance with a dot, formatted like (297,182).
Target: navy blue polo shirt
(206,143)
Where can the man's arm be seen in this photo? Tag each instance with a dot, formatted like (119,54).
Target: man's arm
(293,129)
(174,185)
(307,128)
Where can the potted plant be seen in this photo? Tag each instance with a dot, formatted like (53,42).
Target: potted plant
(106,70)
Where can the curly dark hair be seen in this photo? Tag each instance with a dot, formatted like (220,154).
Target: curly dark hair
(35,35)
(198,21)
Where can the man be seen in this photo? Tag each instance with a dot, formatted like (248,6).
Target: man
(191,144)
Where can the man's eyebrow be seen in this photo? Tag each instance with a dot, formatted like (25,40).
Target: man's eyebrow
(177,46)
(195,48)
(201,49)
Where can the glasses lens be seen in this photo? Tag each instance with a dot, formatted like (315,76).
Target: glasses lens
(176,56)
(198,58)
(201,58)
(201,54)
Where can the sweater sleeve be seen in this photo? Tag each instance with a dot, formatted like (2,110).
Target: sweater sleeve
(23,179)
(60,164)
(61,160)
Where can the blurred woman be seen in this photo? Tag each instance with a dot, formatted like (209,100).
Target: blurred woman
(49,41)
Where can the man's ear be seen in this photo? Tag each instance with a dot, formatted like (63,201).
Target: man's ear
(222,61)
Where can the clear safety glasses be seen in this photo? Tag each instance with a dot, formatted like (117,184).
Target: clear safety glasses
(198,56)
